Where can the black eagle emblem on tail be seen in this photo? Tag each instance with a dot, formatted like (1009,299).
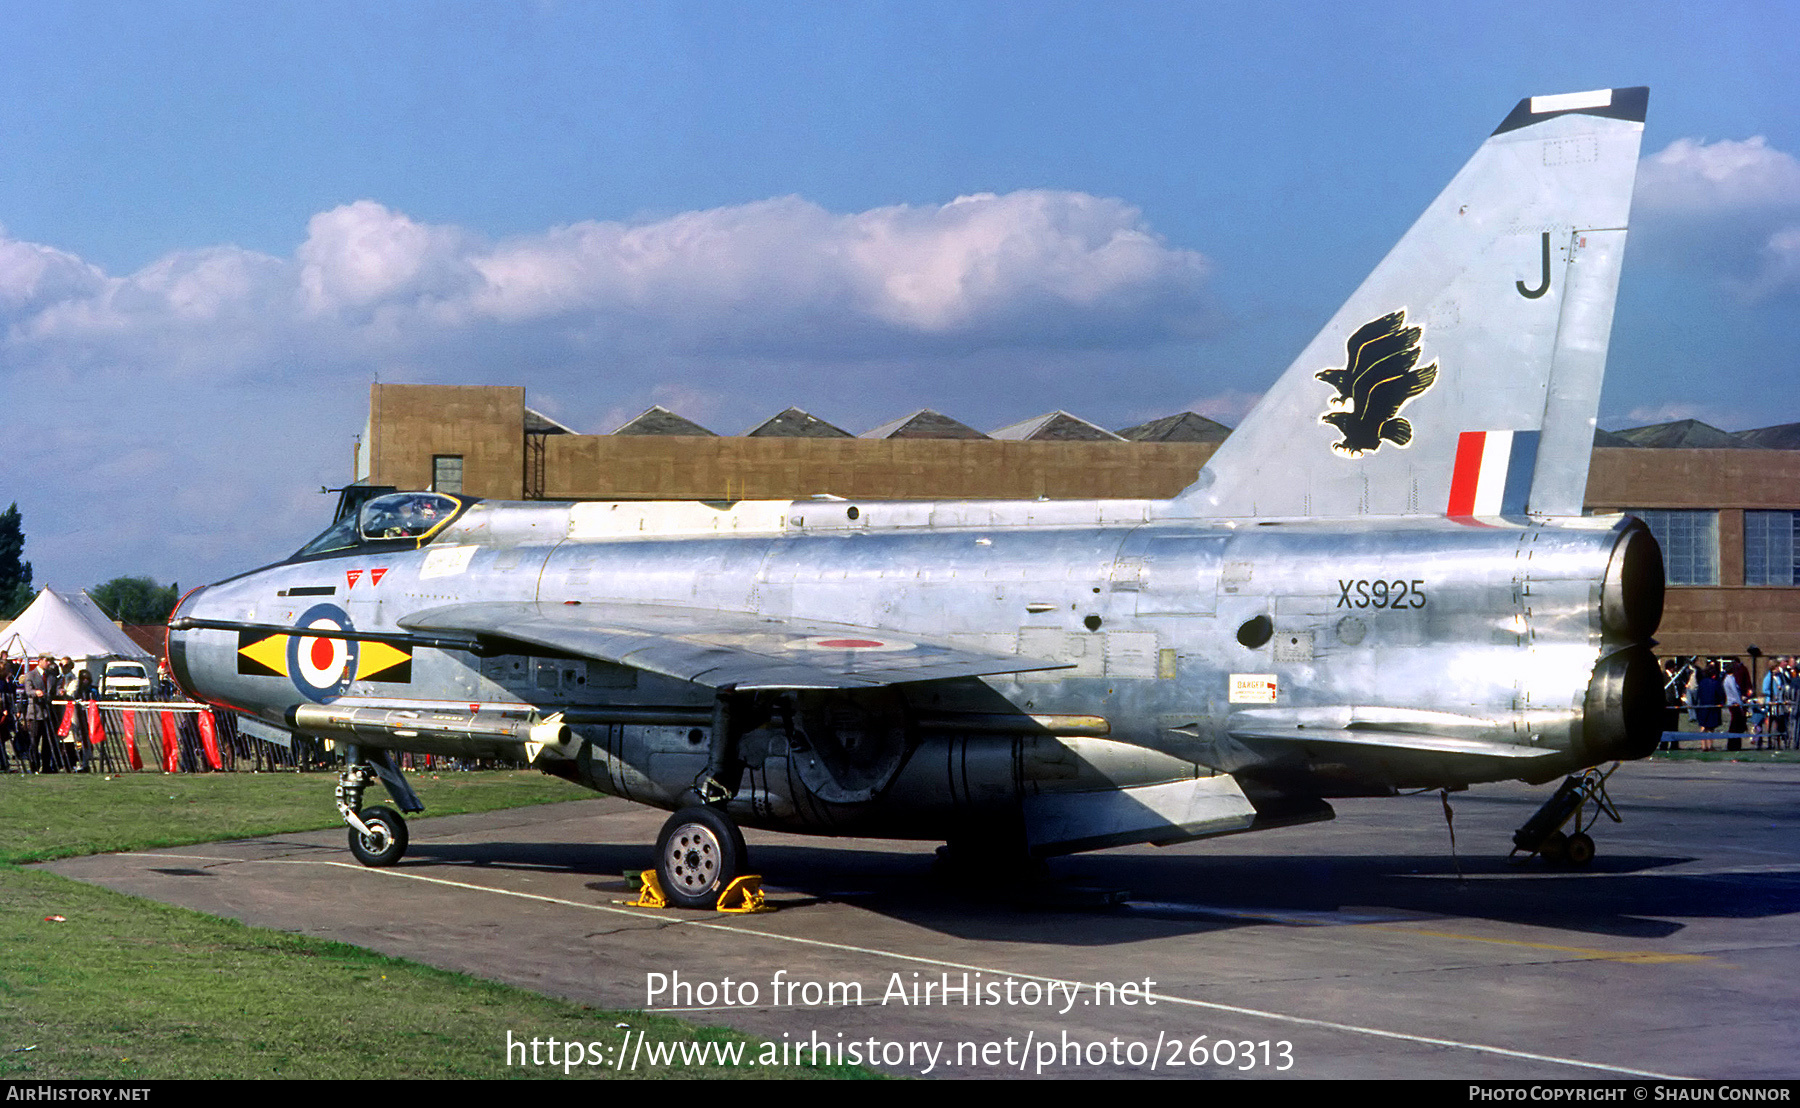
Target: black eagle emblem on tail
(1380,376)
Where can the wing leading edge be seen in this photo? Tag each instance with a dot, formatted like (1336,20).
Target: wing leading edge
(1382,731)
(725,649)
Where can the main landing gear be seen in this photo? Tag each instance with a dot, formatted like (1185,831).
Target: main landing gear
(377,835)
(698,855)
(1543,833)
(701,860)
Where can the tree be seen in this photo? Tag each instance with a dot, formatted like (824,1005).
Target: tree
(15,575)
(136,599)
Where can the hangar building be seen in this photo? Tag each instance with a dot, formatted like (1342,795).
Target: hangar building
(1725,506)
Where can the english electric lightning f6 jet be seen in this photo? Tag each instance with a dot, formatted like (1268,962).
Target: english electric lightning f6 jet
(1382,581)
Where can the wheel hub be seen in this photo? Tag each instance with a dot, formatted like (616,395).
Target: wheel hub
(694,858)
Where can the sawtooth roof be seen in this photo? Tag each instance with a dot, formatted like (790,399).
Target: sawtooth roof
(924,424)
(1682,434)
(1057,426)
(537,423)
(797,424)
(1180,427)
(659,420)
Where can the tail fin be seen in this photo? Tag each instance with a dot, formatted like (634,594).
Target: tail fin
(1485,328)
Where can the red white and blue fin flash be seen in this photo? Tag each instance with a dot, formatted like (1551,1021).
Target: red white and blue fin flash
(1493,473)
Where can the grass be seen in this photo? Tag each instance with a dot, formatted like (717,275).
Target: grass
(126,988)
(1697,755)
(64,815)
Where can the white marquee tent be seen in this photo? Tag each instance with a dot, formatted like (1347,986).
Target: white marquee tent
(68,627)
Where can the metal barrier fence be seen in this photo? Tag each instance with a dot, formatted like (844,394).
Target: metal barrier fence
(172,736)
(1780,718)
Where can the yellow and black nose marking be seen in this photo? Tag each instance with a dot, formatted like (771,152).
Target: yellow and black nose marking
(261,654)
(380,661)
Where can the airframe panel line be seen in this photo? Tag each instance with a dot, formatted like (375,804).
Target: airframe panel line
(1301,1021)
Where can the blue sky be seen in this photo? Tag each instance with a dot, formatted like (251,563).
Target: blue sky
(220,222)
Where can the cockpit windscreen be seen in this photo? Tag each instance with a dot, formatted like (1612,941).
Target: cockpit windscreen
(396,516)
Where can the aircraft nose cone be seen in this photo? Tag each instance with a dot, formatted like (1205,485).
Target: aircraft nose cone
(175,644)
(184,606)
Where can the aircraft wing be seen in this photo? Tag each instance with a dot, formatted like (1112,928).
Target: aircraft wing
(720,649)
(1380,729)
(1399,741)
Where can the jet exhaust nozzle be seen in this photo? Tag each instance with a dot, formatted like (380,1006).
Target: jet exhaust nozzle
(1623,714)
(1624,711)
(1631,593)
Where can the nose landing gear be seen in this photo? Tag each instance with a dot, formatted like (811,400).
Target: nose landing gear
(378,835)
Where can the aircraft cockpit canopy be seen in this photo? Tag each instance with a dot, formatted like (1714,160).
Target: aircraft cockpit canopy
(407,518)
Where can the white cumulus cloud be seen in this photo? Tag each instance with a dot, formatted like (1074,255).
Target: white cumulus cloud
(780,276)
(787,274)
(360,255)
(33,277)
(1780,269)
(150,408)
(1730,208)
(1690,175)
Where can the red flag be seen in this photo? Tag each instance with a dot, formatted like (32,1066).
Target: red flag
(170,756)
(131,751)
(96,735)
(68,719)
(209,739)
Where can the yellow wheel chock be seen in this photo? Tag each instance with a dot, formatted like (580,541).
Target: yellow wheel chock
(743,895)
(650,894)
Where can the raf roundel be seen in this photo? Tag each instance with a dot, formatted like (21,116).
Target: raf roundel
(852,643)
(322,668)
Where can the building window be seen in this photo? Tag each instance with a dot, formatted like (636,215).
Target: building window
(1689,541)
(446,473)
(1770,549)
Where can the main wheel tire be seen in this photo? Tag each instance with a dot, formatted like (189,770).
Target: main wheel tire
(387,840)
(1580,850)
(699,853)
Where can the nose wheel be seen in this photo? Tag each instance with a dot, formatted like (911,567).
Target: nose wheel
(384,842)
(699,853)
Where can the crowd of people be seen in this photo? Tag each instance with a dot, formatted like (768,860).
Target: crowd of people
(1722,697)
(39,733)
(35,694)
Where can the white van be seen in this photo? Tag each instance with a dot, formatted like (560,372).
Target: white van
(125,681)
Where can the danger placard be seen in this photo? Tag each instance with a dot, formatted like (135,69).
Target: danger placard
(1253,688)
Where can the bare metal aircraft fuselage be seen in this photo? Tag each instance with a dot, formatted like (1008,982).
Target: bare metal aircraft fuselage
(1382,580)
(1300,659)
